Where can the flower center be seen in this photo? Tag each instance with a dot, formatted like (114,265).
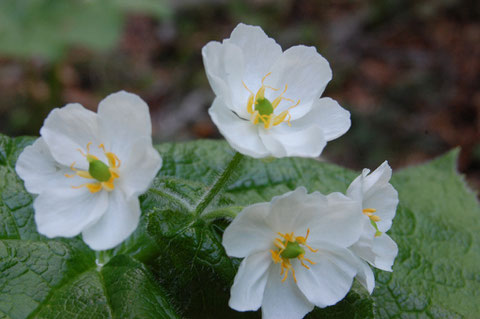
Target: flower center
(290,247)
(103,175)
(373,219)
(261,110)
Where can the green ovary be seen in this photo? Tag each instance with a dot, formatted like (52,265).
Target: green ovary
(293,250)
(263,106)
(99,170)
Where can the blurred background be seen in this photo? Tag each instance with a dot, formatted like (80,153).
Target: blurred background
(408,71)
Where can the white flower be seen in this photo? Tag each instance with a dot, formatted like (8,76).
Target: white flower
(268,101)
(379,203)
(295,250)
(88,170)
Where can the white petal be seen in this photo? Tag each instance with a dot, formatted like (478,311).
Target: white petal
(214,61)
(378,177)
(333,119)
(292,210)
(365,276)
(385,250)
(68,129)
(283,140)
(375,191)
(259,53)
(283,300)
(385,200)
(139,168)
(249,233)
(355,189)
(329,280)
(39,170)
(241,134)
(340,222)
(363,247)
(333,218)
(123,119)
(249,284)
(224,65)
(305,72)
(119,221)
(66,212)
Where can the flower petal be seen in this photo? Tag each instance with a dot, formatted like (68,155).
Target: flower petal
(283,300)
(375,191)
(213,55)
(123,119)
(66,212)
(139,168)
(250,281)
(365,276)
(241,134)
(249,233)
(226,77)
(330,278)
(305,72)
(326,113)
(39,170)
(119,221)
(291,210)
(68,129)
(385,250)
(283,140)
(259,53)
(334,218)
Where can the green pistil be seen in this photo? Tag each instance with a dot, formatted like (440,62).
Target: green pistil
(293,250)
(263,106)
(98,169)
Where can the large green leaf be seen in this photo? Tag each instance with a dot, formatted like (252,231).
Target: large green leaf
(177,252)
(45,278)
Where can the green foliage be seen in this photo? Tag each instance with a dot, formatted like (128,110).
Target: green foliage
(174,264)
(47,27)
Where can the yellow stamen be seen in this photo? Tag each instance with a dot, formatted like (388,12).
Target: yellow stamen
(269,120)
(285,263)
(370,213)
(114,163)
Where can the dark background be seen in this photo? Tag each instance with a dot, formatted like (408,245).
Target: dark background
(408,71)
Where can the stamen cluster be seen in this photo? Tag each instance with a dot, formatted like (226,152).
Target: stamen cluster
(288,248)
(261,110)
(103,175)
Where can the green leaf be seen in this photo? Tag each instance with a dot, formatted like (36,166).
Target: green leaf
(437,230)
(47,278)
(175,263)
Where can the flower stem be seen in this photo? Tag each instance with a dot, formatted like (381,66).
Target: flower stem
(219,183)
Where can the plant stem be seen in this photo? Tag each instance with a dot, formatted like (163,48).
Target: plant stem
(219,183)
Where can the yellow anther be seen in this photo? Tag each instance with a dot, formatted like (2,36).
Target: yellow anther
(257,103)
(113,161)
(370,213)
(289,247)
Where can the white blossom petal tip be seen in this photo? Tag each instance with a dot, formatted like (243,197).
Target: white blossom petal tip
(379,201)
(89,168)
(291,261)
(267,100)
